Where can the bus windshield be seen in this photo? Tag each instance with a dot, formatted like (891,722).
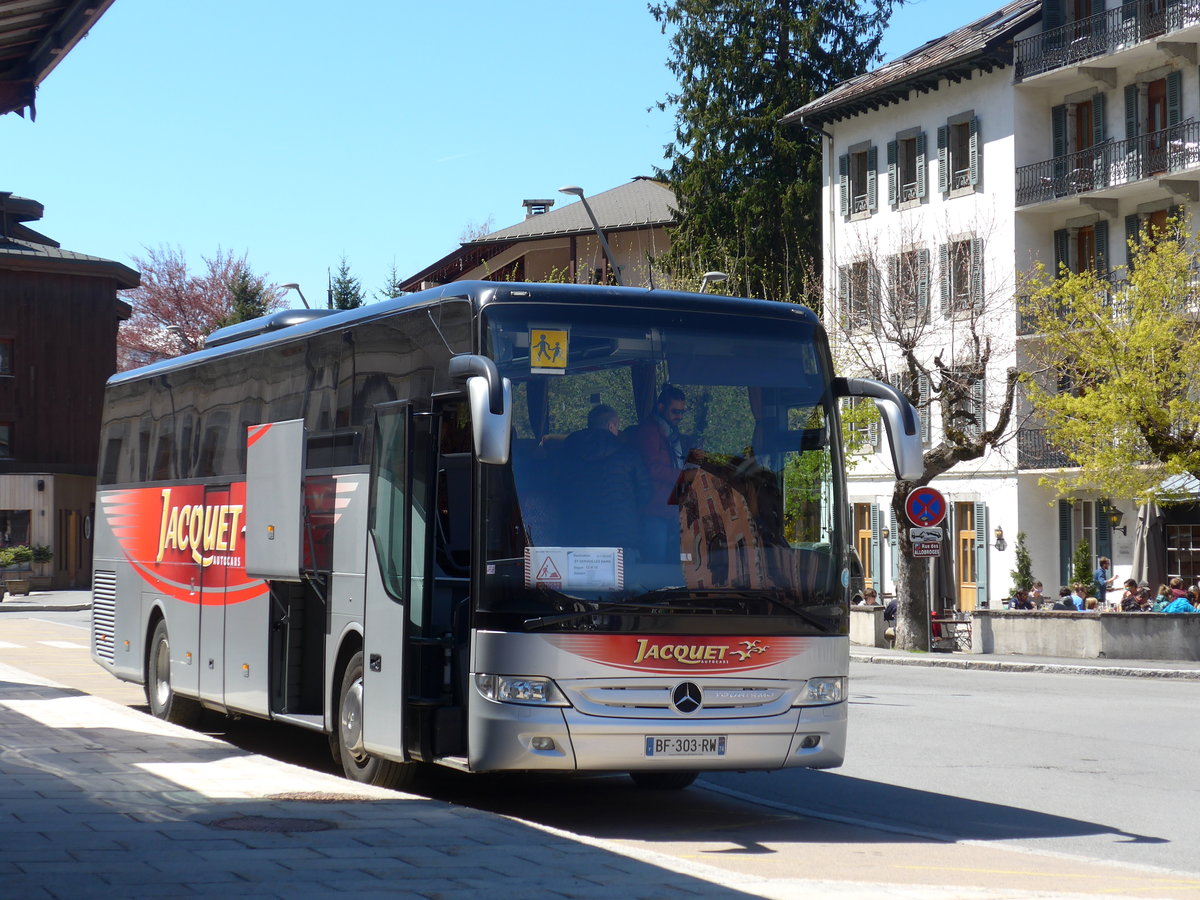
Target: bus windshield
(668,470)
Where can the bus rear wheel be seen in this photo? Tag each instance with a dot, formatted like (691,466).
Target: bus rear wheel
(663,781)
(164,702)
(347,740)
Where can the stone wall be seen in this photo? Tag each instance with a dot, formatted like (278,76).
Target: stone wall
(1080,635)
(867,626)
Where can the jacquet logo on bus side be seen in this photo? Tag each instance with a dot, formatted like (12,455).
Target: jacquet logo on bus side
(204,531)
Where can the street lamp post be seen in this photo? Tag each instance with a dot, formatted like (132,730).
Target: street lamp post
(295,287)
(711,278)
(577,191)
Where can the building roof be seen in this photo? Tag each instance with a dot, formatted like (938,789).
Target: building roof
(983,45)
(641,203)
(35,35)
(23,248)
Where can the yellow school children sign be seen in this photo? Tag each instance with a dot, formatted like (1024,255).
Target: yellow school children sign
(548,350)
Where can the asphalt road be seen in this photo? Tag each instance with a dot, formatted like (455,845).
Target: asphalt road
(989,779)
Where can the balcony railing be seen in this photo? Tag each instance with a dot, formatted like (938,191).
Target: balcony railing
(1034,451)
(860,203)
(908,192)
(1099,35)
(1111,163)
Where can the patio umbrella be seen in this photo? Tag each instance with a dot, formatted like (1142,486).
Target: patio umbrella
(1150,546)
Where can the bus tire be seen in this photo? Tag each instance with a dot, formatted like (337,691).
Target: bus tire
(663,781)
(164,702)
(346,741)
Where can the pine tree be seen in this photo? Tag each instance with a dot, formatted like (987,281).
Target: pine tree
(392,285)
(1081,567)
(345,291)
(748,186)
(249,297)
(1022,575)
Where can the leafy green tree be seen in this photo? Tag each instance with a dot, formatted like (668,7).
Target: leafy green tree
(747,185)
(1115,367)
(345,291)
(1022,575)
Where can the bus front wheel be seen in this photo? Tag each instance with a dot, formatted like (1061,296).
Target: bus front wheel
(663,781)
(164,702)
(347,741)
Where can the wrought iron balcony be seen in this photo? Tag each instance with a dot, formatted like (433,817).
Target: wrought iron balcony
(1112,163)
(1102,34)
(1034,451)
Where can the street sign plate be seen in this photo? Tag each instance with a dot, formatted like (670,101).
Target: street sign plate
(930,549)
(922,535)
(925,506)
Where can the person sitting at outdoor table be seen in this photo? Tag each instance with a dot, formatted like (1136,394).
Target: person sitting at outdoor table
(1177,590)
(1078,597)
(870,597)
(1180,605)
(1132,600)
(1065,601)
(1090,604)
(1130,593)
(1020,600)
(1036,596)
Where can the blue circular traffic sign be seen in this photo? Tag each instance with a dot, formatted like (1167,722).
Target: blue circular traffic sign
(925,506)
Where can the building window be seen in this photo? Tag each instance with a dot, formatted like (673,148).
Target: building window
(906,168)
(1082,248)
(967,404)
(6,356)
(958,154)
(858,295)
(857,180)
(909,285)
(6,430)
(961,275)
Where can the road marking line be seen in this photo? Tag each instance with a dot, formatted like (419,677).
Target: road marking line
(64,645)
(5,645)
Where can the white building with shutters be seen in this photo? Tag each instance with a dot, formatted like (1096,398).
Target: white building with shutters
(1044,132)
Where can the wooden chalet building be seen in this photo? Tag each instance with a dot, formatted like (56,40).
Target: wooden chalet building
(59,313)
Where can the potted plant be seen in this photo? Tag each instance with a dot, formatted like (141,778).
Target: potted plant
(41,556)
(13,560)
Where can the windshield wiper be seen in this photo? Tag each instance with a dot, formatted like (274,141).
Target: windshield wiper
(742,595)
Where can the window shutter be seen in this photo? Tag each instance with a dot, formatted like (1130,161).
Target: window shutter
(1052,14)
(873,434)
(1131,111)
(923,284)
(876,548)
(978,410)
(1133,238)
(923,407)
(894,310)
(921,164)
(874,293)
(1103,537)
(944,276)
(843,291)
(1062,251)
(973,129)
(1064,542)
(981,552)
(872,180)
(1102,248)
(1097,119)
(893,188)
(1058,130)
(844,183)
(977,273)
(894,545)
(943,148)
(1174,98)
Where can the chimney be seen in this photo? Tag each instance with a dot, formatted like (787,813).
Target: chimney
(536,207)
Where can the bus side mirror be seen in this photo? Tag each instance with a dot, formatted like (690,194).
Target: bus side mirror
(489,398)
(899,418)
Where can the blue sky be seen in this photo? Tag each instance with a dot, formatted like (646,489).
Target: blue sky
(380,129)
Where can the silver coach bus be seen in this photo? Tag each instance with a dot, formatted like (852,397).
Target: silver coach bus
(496,527)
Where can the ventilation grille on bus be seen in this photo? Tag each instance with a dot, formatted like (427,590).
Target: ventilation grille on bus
(104,614)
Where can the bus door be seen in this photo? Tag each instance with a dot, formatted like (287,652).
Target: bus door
(210,578)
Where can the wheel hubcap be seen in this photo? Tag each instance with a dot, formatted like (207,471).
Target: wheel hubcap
(351,719)
(162,674)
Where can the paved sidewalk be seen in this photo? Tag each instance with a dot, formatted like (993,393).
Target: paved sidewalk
(1136,668)
(42,601)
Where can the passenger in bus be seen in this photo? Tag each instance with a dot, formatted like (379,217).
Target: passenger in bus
(660,446)
(603,485)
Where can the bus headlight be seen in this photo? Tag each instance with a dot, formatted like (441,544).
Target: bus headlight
(823,691)
(526,689)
